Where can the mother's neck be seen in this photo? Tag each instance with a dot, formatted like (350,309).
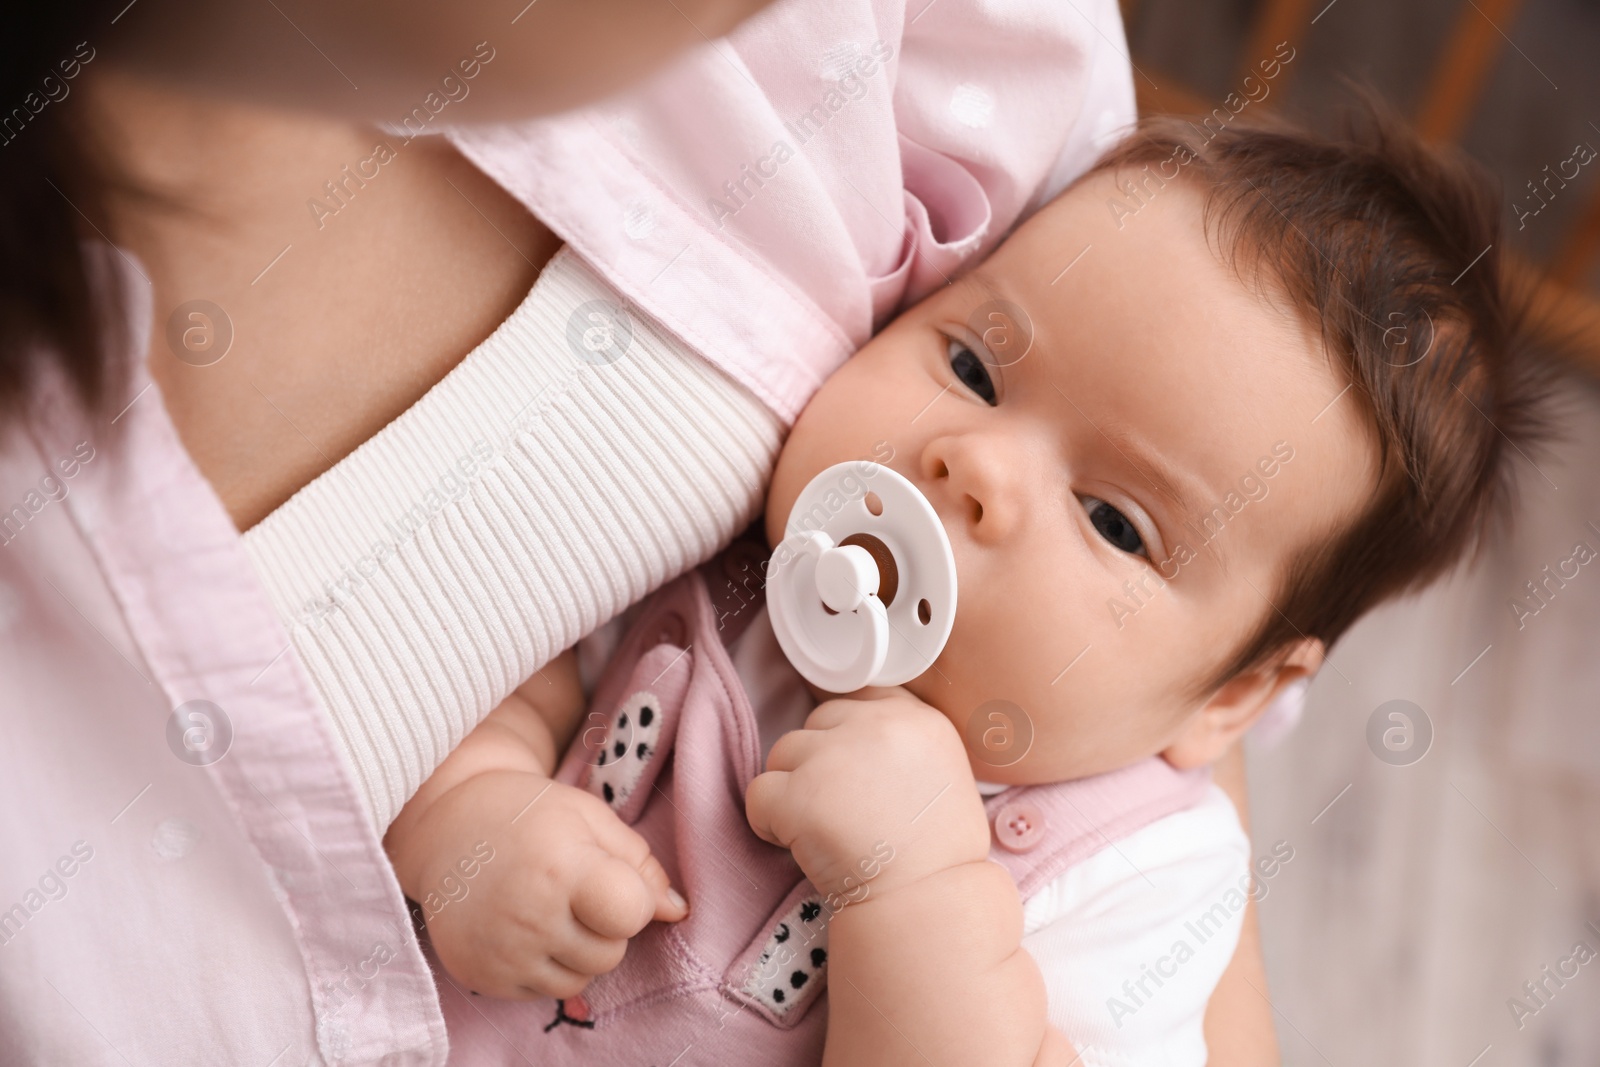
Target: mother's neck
(353,268)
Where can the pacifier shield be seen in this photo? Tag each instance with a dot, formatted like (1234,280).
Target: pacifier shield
(852,522)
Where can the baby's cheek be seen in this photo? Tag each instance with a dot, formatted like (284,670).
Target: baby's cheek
(1048,652)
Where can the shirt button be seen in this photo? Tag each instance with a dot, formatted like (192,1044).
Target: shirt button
(1019,826)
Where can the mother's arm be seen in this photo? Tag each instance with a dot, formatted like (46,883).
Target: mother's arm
(1239,1030)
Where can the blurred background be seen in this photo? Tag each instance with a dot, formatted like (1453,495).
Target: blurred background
(1442,908)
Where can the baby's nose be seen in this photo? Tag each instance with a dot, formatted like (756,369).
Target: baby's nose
(975,479)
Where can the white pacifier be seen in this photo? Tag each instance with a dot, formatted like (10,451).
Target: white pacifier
(862,589)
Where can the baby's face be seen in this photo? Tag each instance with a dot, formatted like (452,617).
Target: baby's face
(1123,491)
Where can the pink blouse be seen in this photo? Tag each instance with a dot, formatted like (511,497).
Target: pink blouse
(189,876)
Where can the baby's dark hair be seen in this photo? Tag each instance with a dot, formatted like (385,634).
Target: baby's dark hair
(1393,251)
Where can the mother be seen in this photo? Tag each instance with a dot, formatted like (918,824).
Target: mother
(208,307)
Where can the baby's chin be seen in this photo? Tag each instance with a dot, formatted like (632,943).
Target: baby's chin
(997,734)
(996,768)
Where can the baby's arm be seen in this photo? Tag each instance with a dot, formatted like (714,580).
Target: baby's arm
(935,971)
(928,964)
(566,884)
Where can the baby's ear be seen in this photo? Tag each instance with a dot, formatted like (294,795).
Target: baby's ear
(1235,707)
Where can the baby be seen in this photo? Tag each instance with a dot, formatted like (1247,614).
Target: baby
(1226,393)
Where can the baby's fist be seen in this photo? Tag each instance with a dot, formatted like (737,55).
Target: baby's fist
(886,771)
(569,885)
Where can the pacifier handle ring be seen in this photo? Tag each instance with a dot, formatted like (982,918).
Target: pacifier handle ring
(870,652)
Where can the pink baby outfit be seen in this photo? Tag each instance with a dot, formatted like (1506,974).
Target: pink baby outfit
(670,743)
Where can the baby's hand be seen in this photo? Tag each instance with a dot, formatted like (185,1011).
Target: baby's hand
(868,779)
(569,884)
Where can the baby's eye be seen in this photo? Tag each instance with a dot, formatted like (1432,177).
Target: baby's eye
(970,369)
(1114,526)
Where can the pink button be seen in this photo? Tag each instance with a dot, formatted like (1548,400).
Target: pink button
(1019,826)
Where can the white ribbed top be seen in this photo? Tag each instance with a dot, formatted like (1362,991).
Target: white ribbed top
(563,470)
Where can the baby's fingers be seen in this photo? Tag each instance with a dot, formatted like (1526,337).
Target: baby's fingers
(549,978)
(626,844)
(614,900)
(585,952)
(763,804)
(670,904)
(794,748)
